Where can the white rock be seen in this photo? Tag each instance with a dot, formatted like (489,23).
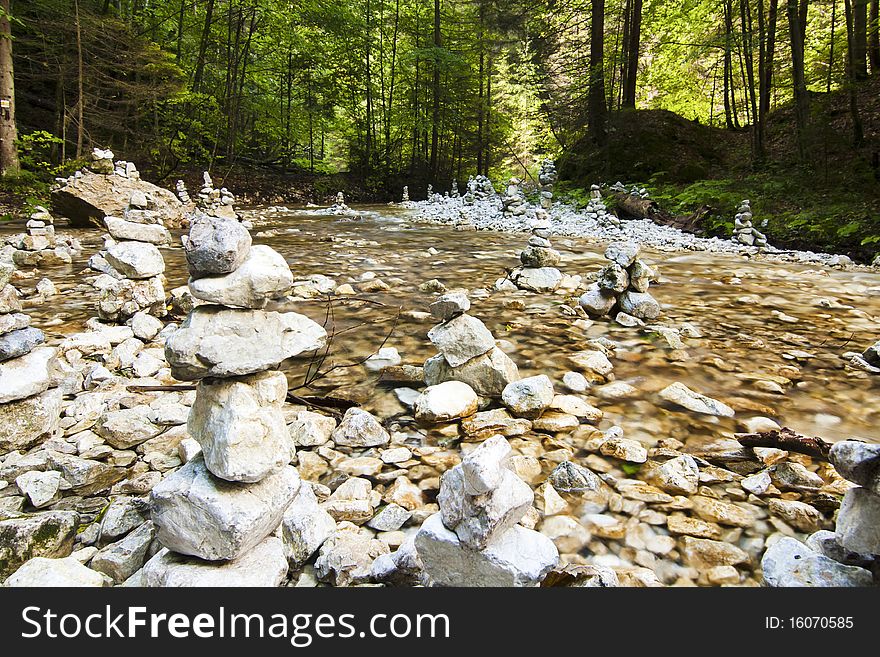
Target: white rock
(385,357)
(790,563)
(487,374)
(680,394)
(445,402)
(528,397)
(41,572)
(264,275)
(305,526)
(145,326)
(41,488)
(462,338)
(359,428)
(311,429)
(26,375)
(858,521)
(136,259)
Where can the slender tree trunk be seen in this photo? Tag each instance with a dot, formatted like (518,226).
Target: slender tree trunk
(859,32)
(487,142)
(729,102)
(180,17)
(874,37)
(368,156)
(79,84)
(596,102)
(391,85)
(772,19)
(203,47)
(435,118)
(9,164)
(746,24)
(831,48)
(852,74)
(801,99)
(482,18)
(635,30)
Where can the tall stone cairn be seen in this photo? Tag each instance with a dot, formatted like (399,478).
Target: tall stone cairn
(513,203)
(215,516)
(547,177)
(622,285)
(475,540)
(537,271)
(743,230)
(30,404)
(132,267)
(40,246)
(467,349)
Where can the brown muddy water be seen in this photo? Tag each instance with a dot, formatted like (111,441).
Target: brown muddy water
(756,318)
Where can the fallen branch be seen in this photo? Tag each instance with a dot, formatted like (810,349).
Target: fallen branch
(787,440)
(169,388)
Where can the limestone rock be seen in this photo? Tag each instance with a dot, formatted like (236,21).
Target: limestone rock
(596,301)
(680,394)
(123,230)
(41,572)
(856,461)
(46,534)
(311,429)
(858,521)
(347,556)
(24,421)
(122,559)
(639,304)
(462,338)
(445,402)
(27,375)
(305,526)
(19,342)
(359,428)
(264,275)
(528,397)
(487,374)
(136,260)
(216,246)
(790,563)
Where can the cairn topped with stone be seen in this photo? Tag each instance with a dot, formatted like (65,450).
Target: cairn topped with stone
(467,349)
(547,177)
(622,285)
(215,516)
(405,196)
(182,193)
(475,540)
(215,202)
(538,272)
(598,211)
(743,230)
(40,245)
(513,203)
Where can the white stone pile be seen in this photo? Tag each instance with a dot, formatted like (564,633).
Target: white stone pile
(475,540)
(339,207)
(183,193)
(538,272)
(40,246)
(467,349)
(30,402)
(743,230)
(547,177)
(622,285)
(215,202)
(598,211)
(514,202)
(102,161)
(131,266)
(848,555)
(215,516)
(454,192)
(405,196)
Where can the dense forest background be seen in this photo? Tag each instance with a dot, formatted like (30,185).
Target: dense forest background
(704,101)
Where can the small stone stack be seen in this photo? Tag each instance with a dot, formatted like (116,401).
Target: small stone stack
(475,540)
(102,161)
(547,176)
(622,285)
(215,202)
(598,211)
(513,203)
(30,404)
(470,196)
(215,515)
(339,207)
(182,193)
(467,349)
(849,555)
(132,267)
(538,272)
(40,245)
(405,198)
(743,231)
(455,193)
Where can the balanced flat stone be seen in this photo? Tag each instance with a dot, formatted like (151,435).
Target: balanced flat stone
(122,230)
(216,246)
(221,342)
(461,338)
(264,275)
(20,342)
(136,259)
(203,516)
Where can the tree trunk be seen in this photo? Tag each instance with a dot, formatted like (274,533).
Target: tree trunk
(203,47)
(79,84)
(801,99)
(435,116)
(9,164)
(831,48)
(632,51)
(746,24)
(874,37)
(596,107)
(730,118)
(852,74)
(767,78)
(859,9)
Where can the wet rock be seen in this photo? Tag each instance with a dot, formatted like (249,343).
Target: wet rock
(444,402)
(462,338)
(613,277)
(539,256)
(123,230)
(231,518)
(220,342)
(47,534)
(519,557)
(679,475)
(789,562)
(680,394)
(856,461)
(591,361)
(264,275)
(264,566)
(541,279)
(449,305)
(216,246)
(20,342)
(487,374)
(359,428)
(305,527)
(622,253)
(136,259)
(858,521)
(41,572)
(528,397)
(639,304)
(640,276)
(240,425)
(596,301)
(384,358)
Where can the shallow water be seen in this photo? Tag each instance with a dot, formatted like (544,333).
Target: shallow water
(735,303)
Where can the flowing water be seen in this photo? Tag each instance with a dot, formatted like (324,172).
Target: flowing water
(756,317)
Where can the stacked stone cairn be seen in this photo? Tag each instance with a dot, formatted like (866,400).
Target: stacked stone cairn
(547,177)
(538,272)
(470,195)
(743,231)
(132,267)
(215,516)
(467,349)
(622,286)
(598,211)
(339,207)
(215,202)
(455,192)
(30,404)
(102,161)
(847,556)
(40,245)
(405,197)
(513,203)
(475,540)
(183,193)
